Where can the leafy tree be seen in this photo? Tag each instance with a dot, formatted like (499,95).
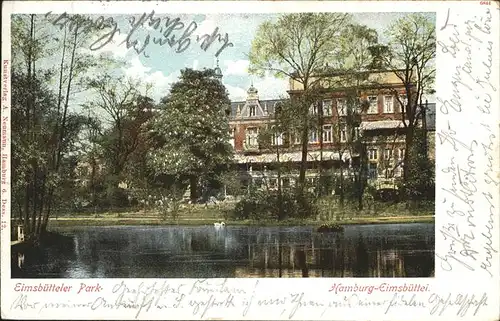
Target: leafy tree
(422,171)
(191,134)
(410,55)
(32,175)
(298,46)
(46,128)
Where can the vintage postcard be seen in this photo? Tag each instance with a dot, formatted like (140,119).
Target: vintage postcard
(250,160)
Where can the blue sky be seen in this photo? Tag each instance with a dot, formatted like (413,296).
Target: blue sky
(163,64)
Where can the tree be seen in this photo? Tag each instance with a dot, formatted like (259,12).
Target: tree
(298,46)
(410,55)
(48,129)
(32,154)
(124,111)
(191,134)
(349,77)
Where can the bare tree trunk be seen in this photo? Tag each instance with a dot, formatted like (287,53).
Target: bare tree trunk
(62,131)
(35,182)
(407,170)
(280,192)
(341,183)
(305,137)
(29,130)
(320,132)
(193,188)
(303,162)
(55,134)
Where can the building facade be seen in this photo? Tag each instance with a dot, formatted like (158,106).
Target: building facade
(369,131)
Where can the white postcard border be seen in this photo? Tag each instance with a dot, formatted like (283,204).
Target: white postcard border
(464,131)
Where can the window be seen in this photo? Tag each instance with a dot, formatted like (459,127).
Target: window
(404,100)
(313,137)
(372,170)
(252,136)
(388,173)
(257,182)
(327,133)
(373,108)
(232,132)
(401,154)
(277,138)
(388,154)
(277,108)
(357,133)
(313,110)
(388,104)
(252,111)
(327,107)
(372,154)
(311,181)
(273,183)
(296,138)
(399,171)
(341,107)
(343,134)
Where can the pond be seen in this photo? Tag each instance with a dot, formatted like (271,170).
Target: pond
(387,250)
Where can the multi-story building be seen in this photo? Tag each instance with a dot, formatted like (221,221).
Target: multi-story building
(378,126)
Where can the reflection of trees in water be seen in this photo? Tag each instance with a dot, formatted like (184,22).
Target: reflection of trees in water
(361,267)
(39,262)
(244,251)
(335,255)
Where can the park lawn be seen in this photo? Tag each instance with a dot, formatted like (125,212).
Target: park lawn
(115,220)
(207,215)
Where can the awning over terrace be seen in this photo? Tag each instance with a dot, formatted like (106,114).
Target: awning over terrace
(383,124)
(289,157)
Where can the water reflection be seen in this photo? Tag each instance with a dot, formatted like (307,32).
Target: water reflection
(402,250)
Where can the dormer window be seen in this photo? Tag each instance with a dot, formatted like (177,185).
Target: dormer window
(252,111)
(277,108)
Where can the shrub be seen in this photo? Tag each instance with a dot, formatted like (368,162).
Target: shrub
(117,197)
(260,205)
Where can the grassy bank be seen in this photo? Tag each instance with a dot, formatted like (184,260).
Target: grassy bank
(115,221)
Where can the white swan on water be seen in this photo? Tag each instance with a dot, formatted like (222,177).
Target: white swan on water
(219,225)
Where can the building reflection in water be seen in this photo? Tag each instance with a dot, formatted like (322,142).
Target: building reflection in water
(405,250)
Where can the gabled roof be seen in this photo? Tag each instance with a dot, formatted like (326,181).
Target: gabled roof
(269,103)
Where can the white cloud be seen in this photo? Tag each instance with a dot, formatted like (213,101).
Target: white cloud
(195,64)
(236,93)
(207,26)
(268,88)
(236,67)
(160,83)
(271,88)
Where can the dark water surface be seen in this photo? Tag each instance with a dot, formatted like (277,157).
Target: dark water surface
(388,250)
